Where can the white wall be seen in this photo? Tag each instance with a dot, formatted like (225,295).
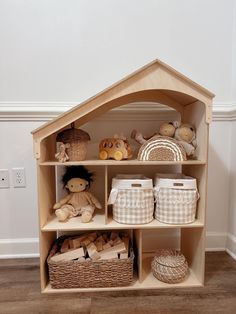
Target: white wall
(55,50)
(57,53)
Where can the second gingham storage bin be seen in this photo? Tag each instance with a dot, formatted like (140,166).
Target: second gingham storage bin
(176,198)
(132,199)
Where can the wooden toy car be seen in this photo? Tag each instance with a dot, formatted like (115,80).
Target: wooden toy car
(114,148)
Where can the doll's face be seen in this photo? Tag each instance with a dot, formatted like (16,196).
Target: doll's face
(76,185)
(167,129)
(186,133)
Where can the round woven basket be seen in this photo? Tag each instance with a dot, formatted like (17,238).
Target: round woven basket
(170,266)
(78,142)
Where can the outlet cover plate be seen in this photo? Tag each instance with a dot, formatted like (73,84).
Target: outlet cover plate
(4,179)
(18,177)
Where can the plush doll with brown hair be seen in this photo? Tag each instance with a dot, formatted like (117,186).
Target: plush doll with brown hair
(79,201)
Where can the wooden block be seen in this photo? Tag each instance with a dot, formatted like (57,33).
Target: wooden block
(91,249)
(65,246)
(95,256)
(114,235)
(99,246)
(85,242)
(92,236)
(114,249)
(71,244)
(76,242)
(123,255)
(125,239)
(105,237)
(106,246)
(68,256)
(117,241)
(100,239)
(109,255)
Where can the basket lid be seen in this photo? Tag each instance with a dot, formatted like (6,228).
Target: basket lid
(169,258)
(72,134)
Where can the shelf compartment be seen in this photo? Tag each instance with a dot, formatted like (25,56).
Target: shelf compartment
(150,282)
(98,223)
(133,162)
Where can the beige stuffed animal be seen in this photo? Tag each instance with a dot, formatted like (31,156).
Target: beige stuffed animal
(79,201)
(166,129)
(186,136)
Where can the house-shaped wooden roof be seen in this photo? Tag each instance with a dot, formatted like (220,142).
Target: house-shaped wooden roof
(155,82)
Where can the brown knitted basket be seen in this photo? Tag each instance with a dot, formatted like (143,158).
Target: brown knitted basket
(90,274)
(77,140)
(170,266)
(162,148)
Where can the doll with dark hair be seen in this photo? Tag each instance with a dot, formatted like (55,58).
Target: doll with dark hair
(79,201)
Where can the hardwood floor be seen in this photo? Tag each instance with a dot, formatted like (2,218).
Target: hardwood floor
(20,293)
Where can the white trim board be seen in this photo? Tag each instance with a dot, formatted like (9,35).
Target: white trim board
(28,247)
(45,111)
(19,248)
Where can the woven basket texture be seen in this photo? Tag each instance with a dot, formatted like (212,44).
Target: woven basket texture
(90,274)
(78,140)
(77,150)
(68,135)
(134,206)
(162,148)
(170,266)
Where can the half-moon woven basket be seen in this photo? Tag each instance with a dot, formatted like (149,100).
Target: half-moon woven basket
(162,148)
(170,266)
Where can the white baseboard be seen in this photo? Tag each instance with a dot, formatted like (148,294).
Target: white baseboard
(19,248)
(29,247)
(231,245)
(216,241)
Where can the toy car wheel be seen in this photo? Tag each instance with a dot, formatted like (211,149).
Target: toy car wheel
(103,155)
(118,155)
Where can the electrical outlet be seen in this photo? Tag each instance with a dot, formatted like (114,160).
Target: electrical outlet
(18,176)
(4,178)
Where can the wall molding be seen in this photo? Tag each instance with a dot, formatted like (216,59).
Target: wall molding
(231,245)
(45,111)
(19,248)
(29,247)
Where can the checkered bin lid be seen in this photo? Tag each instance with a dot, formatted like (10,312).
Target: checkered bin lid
(128,181)
(175,181)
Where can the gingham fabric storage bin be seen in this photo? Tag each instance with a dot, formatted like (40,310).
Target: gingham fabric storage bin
(176,198)
(132,199)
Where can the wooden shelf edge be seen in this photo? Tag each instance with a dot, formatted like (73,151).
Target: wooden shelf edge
(122,162)
(98,223)
(149,283)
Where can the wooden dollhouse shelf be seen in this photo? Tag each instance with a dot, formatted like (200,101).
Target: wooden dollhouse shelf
(133,162)
(98,223)
(155,83)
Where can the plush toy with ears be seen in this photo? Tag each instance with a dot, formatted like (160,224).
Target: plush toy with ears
(186,136)
(77,180)
(166,129)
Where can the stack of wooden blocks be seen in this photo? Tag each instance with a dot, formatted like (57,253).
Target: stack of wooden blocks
(94,246)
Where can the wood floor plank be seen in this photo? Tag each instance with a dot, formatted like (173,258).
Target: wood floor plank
(20,293)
